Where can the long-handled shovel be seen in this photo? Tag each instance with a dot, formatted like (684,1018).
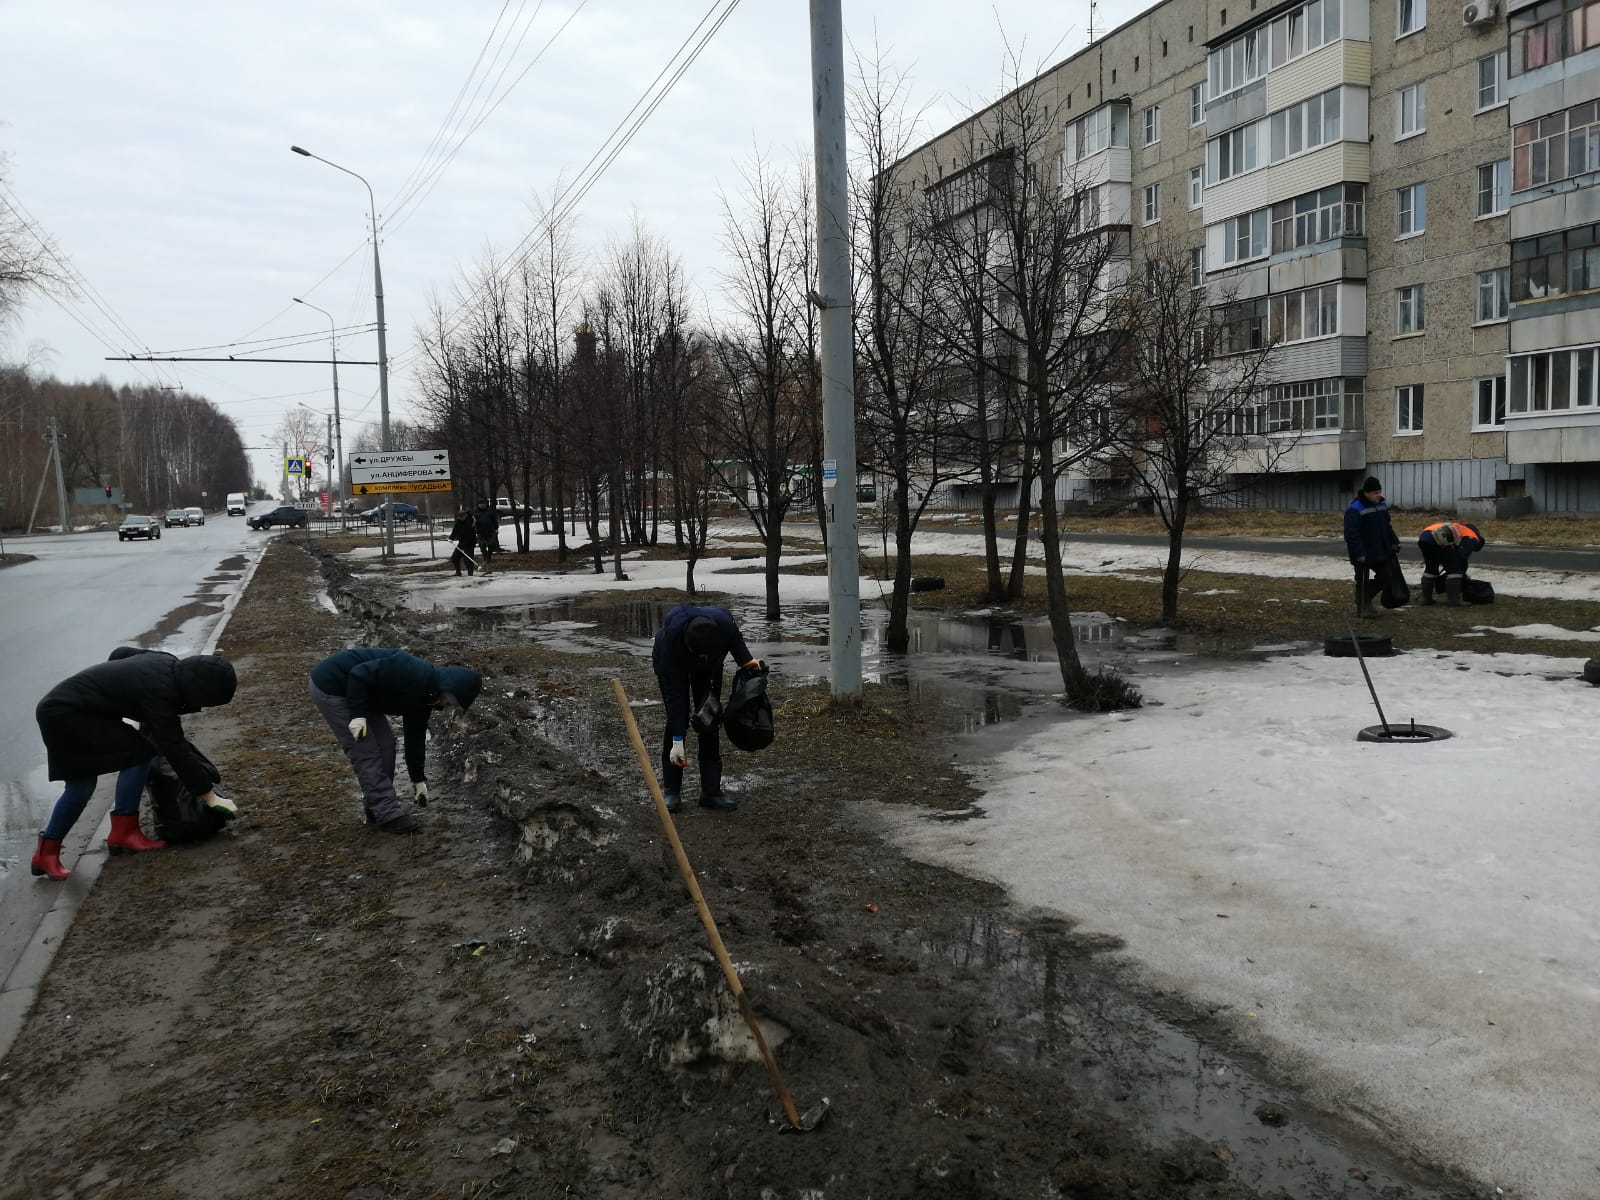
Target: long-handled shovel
(794,1118)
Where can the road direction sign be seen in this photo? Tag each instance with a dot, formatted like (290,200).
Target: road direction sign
(404,485)
(385,470)
(402,458)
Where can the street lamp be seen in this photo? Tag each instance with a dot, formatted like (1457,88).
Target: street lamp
(338,425)
(383,351)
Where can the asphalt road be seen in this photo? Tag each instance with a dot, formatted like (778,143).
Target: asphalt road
(84,596)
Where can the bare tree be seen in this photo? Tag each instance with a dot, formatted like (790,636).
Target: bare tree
(28,261)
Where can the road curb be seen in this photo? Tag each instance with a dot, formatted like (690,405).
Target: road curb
(27,974)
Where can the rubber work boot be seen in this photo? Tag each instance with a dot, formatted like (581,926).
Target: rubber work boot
(674,801)
(1364,596)
(1452,591)
(404,823)
(127,838)
(47,859)
(1427,590)
(718,803)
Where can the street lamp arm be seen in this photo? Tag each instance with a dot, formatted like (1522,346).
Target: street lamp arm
(372,203)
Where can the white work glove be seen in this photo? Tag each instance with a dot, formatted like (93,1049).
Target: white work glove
(419,790)
(679,756)
(358,727)
(220,805)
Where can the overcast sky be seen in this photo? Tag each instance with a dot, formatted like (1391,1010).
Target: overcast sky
(151,140)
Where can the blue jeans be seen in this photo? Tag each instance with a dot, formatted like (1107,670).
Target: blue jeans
(75,795)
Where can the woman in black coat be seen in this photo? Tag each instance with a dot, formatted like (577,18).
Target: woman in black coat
(464,533)
(84,723)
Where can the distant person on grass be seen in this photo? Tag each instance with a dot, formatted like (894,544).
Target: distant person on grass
(1371,542)
(1446,546)
(84,722)
(687,657)
(487,522)
(464,533)
(357,690)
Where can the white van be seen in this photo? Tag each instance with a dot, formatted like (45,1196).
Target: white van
(236,504)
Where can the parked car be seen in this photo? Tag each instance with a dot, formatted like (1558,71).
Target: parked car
(402,512)
(507,508)
(139,527)
(197,516)
(175,516)
(286,514)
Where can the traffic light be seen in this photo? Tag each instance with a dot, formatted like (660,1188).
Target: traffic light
(108,491)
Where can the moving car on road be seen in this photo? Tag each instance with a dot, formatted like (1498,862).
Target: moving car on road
(236,504)
(175,516)
(294,518)
(197,516)
(139,527)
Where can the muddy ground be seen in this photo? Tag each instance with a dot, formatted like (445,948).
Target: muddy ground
(520,1001)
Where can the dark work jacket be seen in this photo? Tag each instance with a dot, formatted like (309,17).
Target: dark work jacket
(673,663)
(1452,558)
(83,719)
(465,534)
(1368,533)
(376,679)
(488,522)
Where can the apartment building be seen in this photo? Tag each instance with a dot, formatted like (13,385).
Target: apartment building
(1396,199)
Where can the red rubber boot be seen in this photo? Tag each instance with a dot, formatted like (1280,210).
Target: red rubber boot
(126,837)
(47,859)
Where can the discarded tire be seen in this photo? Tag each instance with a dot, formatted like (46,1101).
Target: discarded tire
(1591,671)
(927,583)
(1373,645)
(1409,733)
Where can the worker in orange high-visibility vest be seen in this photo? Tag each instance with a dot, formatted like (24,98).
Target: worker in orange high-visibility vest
(1446,546)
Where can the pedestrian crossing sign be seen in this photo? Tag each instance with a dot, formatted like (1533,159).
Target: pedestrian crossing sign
(294,466)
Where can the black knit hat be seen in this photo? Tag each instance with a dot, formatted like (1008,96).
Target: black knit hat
(1371,484)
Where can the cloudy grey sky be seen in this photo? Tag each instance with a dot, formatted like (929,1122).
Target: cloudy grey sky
(151,140)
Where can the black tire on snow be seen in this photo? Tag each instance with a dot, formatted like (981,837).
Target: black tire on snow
(927,583)
(1373,645)
(1591,671)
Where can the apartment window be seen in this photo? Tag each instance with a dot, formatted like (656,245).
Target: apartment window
(1491,80)
(1409,315)
(1411,118)
(1552,31)
(1245,237)
(1197,267)
(1197,105)
(1413,15)
(1152,204)
(1315,404)
(1559,146)
(1196,185)
(1321,216)
(1152,277)
(1494,188)
(1152,125)
(1244,327)
(1311,123)
(1239,62)
(1303,30)
(1555,264)
(1105,127)
(1234,153)
(1554,381)
(1411,210)
(1494,295)
(1489,411)
(1306,314)
(1408,408)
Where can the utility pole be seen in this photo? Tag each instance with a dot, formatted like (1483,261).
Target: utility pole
(834,297)
(61,482)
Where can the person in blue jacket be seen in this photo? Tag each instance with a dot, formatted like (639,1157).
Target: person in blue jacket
(357,690)
(1371,542)
(1446,546)
(687,656)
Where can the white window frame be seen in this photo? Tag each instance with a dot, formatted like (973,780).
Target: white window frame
(1411,100)
(1150,203)
(1197,105)
(1410,211)
(1197,184)
(1252,226)
(1410,409)
(1496,394)
(1152,125)
(1499,189)
(1500,60)
(1417,10)
(1412,300)
(1496,285)
(1197,267)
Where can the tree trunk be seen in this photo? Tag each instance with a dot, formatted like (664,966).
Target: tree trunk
(1073,677)
(1172,572)
(1019,548)
(898,638)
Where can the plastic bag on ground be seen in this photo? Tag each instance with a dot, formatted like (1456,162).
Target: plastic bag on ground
(747,717)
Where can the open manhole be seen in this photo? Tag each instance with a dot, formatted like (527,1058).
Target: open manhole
(1410,733)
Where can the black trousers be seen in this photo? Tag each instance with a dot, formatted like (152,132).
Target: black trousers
(1437,563)
(709,752)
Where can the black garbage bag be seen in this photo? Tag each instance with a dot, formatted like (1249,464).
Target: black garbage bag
(179,815)
(707,718)
(1478,591)
(1396,591)
(747,717)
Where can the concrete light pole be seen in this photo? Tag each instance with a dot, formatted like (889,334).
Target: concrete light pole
(338,423)
(834,298)
(383,347)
